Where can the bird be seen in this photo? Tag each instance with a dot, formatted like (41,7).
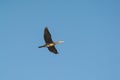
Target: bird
(49,43)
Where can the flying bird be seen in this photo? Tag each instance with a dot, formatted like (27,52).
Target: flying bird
(49,43)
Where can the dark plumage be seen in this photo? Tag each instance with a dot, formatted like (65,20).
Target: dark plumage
(49,42)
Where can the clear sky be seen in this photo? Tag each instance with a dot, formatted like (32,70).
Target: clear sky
(90,29)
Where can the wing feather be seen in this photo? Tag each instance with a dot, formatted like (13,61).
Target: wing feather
(53,49)
(47,36)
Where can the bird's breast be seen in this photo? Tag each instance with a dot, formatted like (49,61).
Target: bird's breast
(51,44)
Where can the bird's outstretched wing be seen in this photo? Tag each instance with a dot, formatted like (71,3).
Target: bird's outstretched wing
(47,36)
(48,39)
(53,49)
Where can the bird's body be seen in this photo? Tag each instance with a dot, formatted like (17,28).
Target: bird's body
(49,42)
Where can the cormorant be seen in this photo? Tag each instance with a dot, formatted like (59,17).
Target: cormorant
(49,42)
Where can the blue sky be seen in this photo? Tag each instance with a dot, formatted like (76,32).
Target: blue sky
(90,29)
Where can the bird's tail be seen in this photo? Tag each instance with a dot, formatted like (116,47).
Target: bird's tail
(41,46)
(59,42)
